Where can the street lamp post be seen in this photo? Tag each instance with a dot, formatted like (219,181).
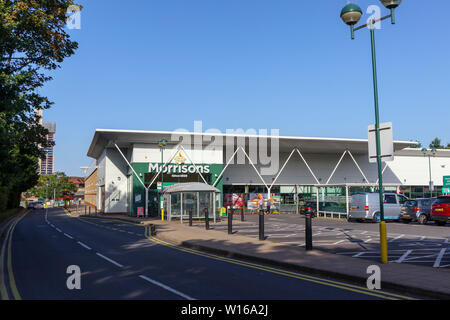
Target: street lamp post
(430,153)
(351,14)
(162,144)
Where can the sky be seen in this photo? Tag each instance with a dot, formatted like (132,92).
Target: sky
(251,64)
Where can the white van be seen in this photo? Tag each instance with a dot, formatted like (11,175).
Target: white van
(366,206)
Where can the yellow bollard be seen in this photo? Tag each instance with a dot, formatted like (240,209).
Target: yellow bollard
(162,214)
(383,243)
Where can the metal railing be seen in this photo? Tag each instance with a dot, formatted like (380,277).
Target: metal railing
(332,214)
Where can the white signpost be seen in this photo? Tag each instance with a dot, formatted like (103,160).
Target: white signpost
(386,142)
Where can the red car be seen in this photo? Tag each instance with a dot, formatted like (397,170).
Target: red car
(440,210)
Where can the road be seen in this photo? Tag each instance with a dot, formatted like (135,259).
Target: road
(118,261)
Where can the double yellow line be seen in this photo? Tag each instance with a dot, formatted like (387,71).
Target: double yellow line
(6,264)
(286,273)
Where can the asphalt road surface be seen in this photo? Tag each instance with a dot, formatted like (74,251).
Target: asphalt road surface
(118,261)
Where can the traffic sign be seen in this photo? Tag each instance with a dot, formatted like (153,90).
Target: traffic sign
(446,185)
(386,142)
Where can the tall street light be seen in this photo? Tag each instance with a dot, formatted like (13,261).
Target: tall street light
(430,153)
(351,14)
(162,144)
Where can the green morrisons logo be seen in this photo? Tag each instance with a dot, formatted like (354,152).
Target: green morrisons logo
(178,168)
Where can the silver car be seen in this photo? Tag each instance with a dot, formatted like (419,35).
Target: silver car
(366,206)
(39,205)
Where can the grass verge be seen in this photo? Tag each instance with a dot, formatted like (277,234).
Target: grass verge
(8,213)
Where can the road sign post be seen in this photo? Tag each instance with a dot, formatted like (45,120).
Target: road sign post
(381,148)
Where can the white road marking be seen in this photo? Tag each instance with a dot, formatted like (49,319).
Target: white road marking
(398,237)
(68,236)
(110,260)
(159,284)
(337,242)
(439,258)
(59,230)
(358,254)
(281,235)
(83,245)
(368,240)
(403,257)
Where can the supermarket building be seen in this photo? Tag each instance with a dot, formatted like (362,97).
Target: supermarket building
(130,166)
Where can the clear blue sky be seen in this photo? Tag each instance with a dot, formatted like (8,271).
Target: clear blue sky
(275,64)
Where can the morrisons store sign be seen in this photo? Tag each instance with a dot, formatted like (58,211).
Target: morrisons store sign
(178,168)
(176,173)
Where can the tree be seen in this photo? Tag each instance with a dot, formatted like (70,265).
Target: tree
(418,145)
(436,144)
(56,184)
(33,42)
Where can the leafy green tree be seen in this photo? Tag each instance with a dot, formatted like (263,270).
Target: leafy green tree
(436,144)
(33,42)
(57,184)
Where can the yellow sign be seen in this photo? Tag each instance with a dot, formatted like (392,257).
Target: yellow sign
(179,159)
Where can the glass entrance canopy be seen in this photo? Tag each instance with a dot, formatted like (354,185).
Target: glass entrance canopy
(181,198)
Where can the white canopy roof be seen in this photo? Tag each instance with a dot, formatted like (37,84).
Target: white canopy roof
(104,138)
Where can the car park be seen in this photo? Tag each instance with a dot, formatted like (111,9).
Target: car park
(440,210)
(365,206)
(416,210)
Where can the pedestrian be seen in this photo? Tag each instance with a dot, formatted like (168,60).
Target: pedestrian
(261,205)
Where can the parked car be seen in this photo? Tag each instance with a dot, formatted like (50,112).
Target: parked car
(366,206)
(416,210)
(440,210)
(311,207)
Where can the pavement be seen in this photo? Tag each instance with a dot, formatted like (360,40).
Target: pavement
(408,279)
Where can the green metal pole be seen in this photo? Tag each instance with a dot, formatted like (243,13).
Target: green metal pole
(162,165)
(382,225)
(377,122)
(162,185)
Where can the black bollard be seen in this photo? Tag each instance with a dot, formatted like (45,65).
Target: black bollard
(242,214)
(261,224)
(308,232)
(89,210)
(152,230)
(206,219)
(230,220)
(190,217)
